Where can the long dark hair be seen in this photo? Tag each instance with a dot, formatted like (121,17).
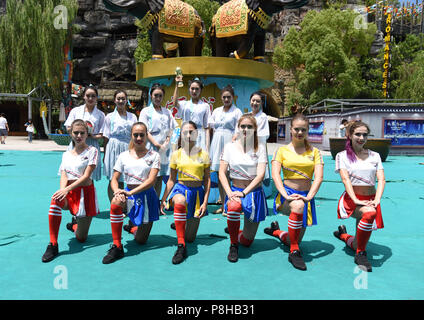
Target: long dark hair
(300,116)
(348,146)
(181,132)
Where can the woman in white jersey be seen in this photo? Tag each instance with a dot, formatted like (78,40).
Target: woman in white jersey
(223,122)
(194,110)
(95,120)
(77,193)
(140,167)
(116,133)
(246,160)
(358,168)
(160,125)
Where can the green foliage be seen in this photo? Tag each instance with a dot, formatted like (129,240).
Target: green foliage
(411,76)
(324,56)
(143,52)
(31,48)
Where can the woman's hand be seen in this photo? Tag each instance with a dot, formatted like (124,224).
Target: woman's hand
(61,194)
(202,211)
(293,197)
(362,203)
(374,203)
(235,195)
(121,195)
(162,207)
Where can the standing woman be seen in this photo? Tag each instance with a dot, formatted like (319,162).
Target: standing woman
(160,125)
(140,167)
(194,110)
(358,169)
(189,196)
(300,162)
(77,193)
(223,122)
(246,160)
(95,120)
(116,133)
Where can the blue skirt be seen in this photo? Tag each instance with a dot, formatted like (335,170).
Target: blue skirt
(143,207)
(253,205)
(194,198)
(309,211)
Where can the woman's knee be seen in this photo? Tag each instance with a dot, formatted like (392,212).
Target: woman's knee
(234,206)
(368,212)
(297,206)
(179,199)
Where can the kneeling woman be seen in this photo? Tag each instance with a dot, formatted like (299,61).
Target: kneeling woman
(299,162)
(140,167)
(246,160)
(189,197)
(358,169)
(77,193)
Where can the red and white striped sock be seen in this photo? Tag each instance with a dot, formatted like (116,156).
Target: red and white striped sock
(364,229)
(180,219)
(55,217)
(243,240)
(282,235)
(116,222)
(233,220)
(348,239)
(294,226)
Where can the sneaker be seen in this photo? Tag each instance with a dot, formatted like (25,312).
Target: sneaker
(113,254)
(51,252)
(226,230)
(274,226)
(70,225)
(341,230)
(362,261)
(173,226)
(296,260)
(233,254)
(180,254)
(128,227)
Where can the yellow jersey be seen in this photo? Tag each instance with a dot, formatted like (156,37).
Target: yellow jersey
(189,168)
(298,166)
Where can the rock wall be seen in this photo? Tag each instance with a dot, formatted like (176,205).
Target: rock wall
(103,49)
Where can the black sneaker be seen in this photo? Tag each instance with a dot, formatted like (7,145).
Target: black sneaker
(128,227)
(362,261)
(274,226)
(226,230)
(71,224)
(113,254)
(180,254)
(340,230)
(296,260)
(51,252)
(233,254)
(173,226)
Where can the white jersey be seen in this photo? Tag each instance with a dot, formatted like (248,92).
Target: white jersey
(242,165)
(198,113)
(75,165)
(3,123)
(361,172)
(96,117)
(263,126)
(136,171)
(117,126)
(221,120)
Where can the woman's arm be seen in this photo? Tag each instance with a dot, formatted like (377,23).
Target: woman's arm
(64,189)
(380,187)
(344,174)
(170,184)
(207,186)
(258,179)
(318,177)
(148,183)
(175,96)
(222,175)
(275,174)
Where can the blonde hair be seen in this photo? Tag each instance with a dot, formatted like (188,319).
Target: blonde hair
(77,122)
(252,119)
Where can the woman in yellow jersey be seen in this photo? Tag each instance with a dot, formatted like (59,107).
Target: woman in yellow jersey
(300,162)
(189,196)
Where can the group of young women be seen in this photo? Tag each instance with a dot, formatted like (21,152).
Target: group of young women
(138,156)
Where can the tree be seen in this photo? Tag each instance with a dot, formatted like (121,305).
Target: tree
(324,55)
(411,79)
(32,36)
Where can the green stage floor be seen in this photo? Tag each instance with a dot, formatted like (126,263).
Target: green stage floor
(29,178)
